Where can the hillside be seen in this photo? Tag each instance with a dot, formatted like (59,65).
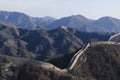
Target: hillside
(10,43)
(22,69)
(100,61)
(43,44)
(115,37)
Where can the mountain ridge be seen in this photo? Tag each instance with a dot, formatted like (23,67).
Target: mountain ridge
(41,44)
(99,61)
(79,22)
(23,20)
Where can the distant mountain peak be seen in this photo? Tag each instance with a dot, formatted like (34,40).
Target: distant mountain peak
(106,18)
(22,20)
(79,22)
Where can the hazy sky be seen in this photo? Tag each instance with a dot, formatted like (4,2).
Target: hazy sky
(61,8)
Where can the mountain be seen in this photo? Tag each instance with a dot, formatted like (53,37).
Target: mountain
(107,24)
(22,20)
(10,43)
(43,44)
(42,22)
(19,19)
(23,69)
(98,61)
(104,24)
(79,22)
(63,47)
(86,37)
(75,21)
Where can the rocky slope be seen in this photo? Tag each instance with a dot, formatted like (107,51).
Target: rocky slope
(99,62)
(22,69)
(10,43)
(48,44)
(41,44)
(58,41)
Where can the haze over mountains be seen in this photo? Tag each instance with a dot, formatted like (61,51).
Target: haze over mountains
(24,21)
(79,22)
